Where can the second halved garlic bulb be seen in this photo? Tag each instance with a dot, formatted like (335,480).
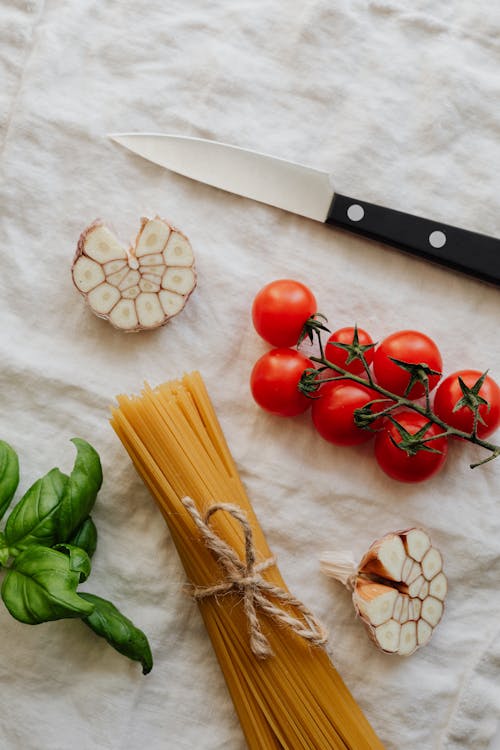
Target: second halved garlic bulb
(137,288)
(398,588)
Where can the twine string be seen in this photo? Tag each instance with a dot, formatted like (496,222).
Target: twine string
(244,577)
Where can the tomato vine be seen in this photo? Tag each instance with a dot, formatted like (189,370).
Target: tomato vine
(313,379)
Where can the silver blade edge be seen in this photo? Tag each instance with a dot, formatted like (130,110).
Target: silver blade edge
(268,179)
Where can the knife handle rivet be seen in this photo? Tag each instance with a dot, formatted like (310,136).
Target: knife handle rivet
(355,212)
(437,239)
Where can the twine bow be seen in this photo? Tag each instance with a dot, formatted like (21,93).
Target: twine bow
(244,577)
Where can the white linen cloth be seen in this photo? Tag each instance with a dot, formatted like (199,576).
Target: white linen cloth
(402,106)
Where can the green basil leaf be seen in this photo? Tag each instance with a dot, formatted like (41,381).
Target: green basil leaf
(41,586)
(109,623)
(4,550)
(9,475)
(86,537)
(34,520)
(79,561)
(81,491)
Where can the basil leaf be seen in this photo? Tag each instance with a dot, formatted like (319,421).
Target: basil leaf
(41,586)
(109,623)
(4,550)
(9,475)
(79,561)
(34,519)
(81,491)
(86,537)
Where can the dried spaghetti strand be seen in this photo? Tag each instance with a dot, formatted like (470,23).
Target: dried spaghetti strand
(294,700)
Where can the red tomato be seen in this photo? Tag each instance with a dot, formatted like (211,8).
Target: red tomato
(337,356)
(396,462)
(280,310)
(449,393)
(408,346)
(333,412)
(274,382)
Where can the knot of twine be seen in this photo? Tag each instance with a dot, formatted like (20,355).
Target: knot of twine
(244,577)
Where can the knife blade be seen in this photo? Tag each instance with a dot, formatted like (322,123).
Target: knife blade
(310,193)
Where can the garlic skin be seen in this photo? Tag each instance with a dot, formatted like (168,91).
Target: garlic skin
(399,589)
(139,288)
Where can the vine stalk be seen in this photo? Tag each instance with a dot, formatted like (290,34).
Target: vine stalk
(309,384)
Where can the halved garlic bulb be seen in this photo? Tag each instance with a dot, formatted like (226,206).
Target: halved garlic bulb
(398,588)
(138,288)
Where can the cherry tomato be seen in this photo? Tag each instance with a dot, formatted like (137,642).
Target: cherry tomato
(333,412)
(274,382)
(280,310)
(396,462)
(449,393)
(338,356)
(408,346)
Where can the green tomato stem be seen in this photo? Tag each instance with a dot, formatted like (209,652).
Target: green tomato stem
(402,401)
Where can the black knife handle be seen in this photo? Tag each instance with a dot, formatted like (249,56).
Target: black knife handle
(469,252)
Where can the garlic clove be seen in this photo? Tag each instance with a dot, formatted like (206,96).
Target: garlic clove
(416,609)
(124,314)
(178,251)
(171,302)
(387,636)
(145,285)
(438,587)
(398,608)
(103,298)
(132,292)
(385,558)
(374,601)
(102,246)
(414,573)
(416,542)
(139,288)
(149,310)
(87,274)
(132,278)
(152,270)
(178,280)
(113,266)
(424,632)
(410,611)
(152,237)
(408,565)
(155,260)
(432,563)
(432,611)
(405,610)
(408,638)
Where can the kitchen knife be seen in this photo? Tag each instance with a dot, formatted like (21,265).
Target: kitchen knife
(309,192)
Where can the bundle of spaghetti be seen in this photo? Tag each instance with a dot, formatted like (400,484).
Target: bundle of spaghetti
(295,699)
